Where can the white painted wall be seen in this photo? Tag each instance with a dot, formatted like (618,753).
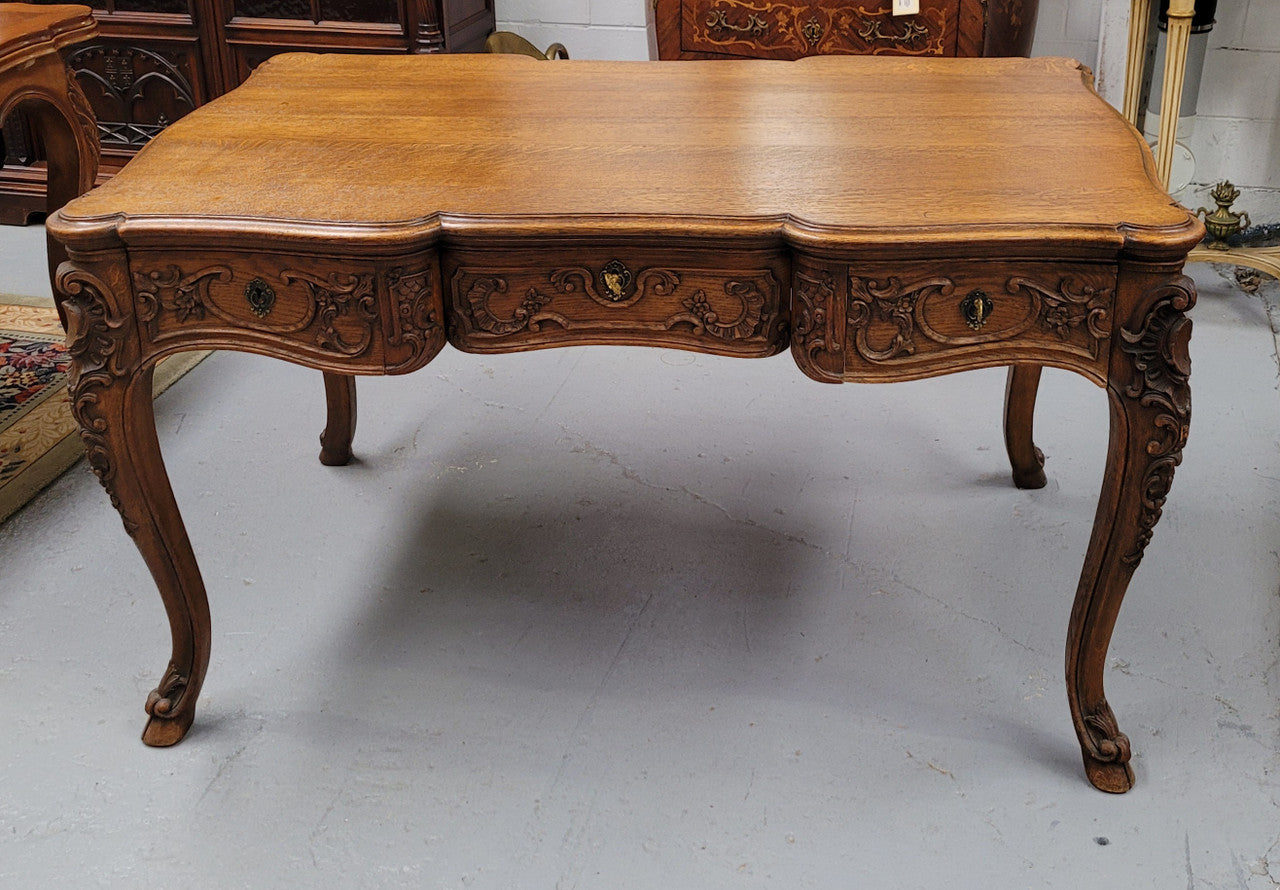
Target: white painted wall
(1238,131)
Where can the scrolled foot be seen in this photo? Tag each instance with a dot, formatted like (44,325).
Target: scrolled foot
(170,711)
(1106,753)
(340,403)
(1031,475)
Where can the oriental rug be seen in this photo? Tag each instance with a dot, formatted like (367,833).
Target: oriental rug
(38,437)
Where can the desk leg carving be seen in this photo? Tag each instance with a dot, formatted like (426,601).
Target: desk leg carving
(111,399)
(1150,414)
(1019,412)
(340,426)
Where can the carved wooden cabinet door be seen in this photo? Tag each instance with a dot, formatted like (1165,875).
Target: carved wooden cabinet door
(792,29)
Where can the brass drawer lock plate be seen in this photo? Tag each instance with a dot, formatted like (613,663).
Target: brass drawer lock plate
(260,296)
(976,309)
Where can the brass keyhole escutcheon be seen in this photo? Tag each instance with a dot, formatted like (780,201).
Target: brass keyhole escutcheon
(260,296)
(976,308)
(615,278)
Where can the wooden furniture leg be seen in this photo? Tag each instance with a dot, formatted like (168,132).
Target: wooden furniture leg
(111,399)
(1019,414)
(340,427)
(1150,413)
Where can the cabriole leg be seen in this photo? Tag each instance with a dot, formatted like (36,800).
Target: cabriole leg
(340,427)
(1150,413)
(1019,413)
(111,399)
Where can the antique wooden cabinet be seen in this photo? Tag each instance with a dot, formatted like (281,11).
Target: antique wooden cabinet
(156,60)
(790,29)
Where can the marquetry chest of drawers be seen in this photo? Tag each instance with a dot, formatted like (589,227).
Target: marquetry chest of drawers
(791,29)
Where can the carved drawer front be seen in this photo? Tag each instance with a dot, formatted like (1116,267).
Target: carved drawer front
(791,30)
(499,303)
(867,321)
(366,315)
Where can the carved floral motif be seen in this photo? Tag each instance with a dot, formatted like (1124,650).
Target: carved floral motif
(892,302)
(414,320)
(1069,306)
(186,296)
(1159,354)
(814,298)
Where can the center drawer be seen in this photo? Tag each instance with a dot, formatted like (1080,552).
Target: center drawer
(723,302)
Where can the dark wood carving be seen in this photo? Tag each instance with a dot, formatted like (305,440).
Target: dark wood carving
(135,92)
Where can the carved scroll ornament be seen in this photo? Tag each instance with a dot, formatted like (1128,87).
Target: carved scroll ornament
(96,340)
(1162,364)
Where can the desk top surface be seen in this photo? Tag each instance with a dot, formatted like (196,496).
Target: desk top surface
(27,29)
(849,148)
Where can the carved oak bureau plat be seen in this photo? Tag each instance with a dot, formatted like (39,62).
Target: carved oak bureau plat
(883,219)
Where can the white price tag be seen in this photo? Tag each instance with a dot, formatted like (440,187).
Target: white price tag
(906,7)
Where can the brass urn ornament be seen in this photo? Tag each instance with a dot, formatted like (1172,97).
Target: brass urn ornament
(1222,223)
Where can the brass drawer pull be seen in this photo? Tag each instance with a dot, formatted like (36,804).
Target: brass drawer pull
(755,26)
(976,309)
(912,32)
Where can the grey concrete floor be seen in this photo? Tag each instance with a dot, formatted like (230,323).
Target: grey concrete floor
(614,618)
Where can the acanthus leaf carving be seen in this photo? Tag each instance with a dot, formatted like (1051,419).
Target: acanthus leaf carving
(1110,745)
(894,303)
(335,296)
(1162,366)
(527,315)
(96,340)
(166,697)
(749,321)
(1072,304)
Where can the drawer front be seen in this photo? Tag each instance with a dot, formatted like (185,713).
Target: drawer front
(364,315)
(790,30)
(503,302)
(868,321)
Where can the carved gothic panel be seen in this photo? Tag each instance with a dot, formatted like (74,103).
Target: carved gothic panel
(136,92)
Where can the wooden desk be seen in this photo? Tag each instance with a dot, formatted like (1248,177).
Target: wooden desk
(34,79)
(884,219)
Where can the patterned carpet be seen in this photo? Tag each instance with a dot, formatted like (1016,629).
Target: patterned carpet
(38,439)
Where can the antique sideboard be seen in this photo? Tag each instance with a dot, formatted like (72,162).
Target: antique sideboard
(792,29)
(154,61)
